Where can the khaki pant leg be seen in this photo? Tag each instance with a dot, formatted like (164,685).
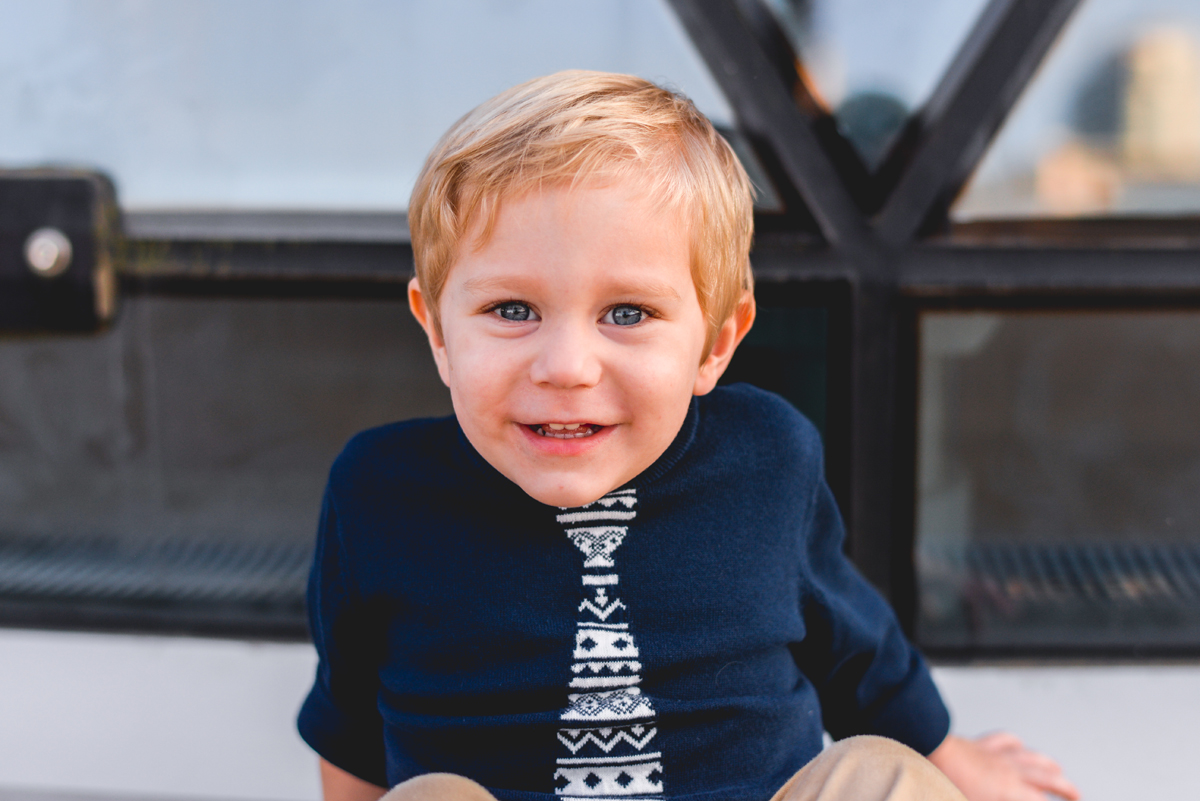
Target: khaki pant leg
(438,787)
(869,769)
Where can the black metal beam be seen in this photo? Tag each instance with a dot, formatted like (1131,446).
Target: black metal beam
(1037,257)
(777,47)
(767,112)
(269,260)
(767,109)
(933,269)
(945,271)
(974,97)
(1080,233)
(871,520)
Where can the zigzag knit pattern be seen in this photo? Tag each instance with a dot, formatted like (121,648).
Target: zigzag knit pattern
(612,723)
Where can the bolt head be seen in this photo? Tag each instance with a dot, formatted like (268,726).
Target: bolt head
(48,252)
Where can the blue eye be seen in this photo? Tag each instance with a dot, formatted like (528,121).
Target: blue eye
(626,315)
(516,312)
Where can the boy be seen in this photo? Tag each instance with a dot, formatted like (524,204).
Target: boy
(602,577)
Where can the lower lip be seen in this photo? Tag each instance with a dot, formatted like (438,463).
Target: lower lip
(553,446)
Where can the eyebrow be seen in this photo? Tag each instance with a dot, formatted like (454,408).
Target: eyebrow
(656,289)
(487,285)
(651,287)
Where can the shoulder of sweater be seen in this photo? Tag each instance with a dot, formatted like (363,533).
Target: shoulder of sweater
(773,426)
(400,452)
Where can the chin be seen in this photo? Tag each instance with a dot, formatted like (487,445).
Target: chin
(579,494)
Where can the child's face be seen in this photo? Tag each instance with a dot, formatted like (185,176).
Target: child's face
(573,341)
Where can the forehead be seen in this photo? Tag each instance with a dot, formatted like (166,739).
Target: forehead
(634,184)
(609,232)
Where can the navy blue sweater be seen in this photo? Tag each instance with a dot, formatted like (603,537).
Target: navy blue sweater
(688,635)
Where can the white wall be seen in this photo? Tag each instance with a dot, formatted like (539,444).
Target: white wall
(153,716)
(1121,732)
(213,719)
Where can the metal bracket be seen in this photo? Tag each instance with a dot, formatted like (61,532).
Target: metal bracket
(58,229)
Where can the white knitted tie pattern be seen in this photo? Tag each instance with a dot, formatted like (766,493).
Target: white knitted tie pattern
(608,741)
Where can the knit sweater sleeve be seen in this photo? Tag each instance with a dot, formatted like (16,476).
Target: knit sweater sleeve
(340,719)
(870,678)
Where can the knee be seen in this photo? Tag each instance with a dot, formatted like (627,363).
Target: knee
(874,749)
(870,767)
(438,787)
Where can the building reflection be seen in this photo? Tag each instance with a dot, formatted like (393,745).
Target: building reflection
(1132,145)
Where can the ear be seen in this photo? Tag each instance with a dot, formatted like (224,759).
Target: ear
(420,310)
(728,338)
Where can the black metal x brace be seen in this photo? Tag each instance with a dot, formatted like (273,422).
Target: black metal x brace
(870,221)
(865,216)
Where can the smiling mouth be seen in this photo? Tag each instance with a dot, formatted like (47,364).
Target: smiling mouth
(565,430)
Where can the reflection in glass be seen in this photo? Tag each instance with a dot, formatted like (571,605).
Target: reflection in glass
(1058,485)
(873,64)
(787,352)
(278,104)
(1111,124)
(178,459)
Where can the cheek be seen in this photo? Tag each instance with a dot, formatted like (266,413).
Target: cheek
(661,381)
(481,376)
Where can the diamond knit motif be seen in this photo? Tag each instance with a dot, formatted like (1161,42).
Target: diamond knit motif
(597,644)
(593,781)
(623,704)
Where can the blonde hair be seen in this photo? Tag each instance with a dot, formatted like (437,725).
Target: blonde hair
(575,126)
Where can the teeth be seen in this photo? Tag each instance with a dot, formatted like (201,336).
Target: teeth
(565,430)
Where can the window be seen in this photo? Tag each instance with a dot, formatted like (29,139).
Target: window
(164,472)
(1003,383)
(1110,126)
(1058,467)
(873,65)
(283,105)
(170,469)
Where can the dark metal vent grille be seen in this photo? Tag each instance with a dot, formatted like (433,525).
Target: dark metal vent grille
(1061,596)
(190,584)
(1109,573)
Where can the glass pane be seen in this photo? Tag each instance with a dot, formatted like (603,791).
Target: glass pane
(178,459)
(798,348)
(1058,500)
(873,63)
(1110,125)
(295,105)
(786,352)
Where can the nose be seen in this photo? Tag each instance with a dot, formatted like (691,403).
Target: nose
(567,357)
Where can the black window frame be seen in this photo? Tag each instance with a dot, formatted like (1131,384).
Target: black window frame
(877,249)
(890,237)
